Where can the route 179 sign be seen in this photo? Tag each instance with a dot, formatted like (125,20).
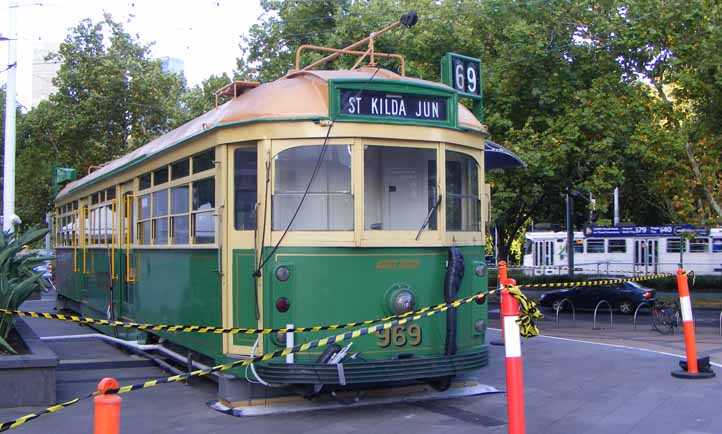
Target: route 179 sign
(463,74)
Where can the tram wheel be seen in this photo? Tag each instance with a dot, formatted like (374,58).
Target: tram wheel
(442,384)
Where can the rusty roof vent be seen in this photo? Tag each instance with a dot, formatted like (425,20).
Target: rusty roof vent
(235,89)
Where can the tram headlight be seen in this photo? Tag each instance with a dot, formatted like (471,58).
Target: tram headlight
(480,325)
(480,270)
(283,273)
(281,338)
(403,301)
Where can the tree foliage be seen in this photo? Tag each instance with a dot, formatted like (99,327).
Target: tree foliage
(592,95)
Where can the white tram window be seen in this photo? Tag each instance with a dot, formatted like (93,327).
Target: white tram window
(204,203)
(245,173)
(595,246)
(699,245)
(674,245)
(717,244)
(617,246)
(144,219)
(399,188)
(179,207)
(160,216)
(328,206)
(463,207)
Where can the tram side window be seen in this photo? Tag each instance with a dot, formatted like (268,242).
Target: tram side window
(245,174)
(595,246)
(399,187)
(674,245)
(463,207)
(144,219)
(717,244)
(617,246)
(699,245)
(328,206)
(204,203)
(179,214)
(160,216)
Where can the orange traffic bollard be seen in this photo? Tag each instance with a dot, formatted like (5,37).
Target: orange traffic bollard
(502,280)
(107,408)
(513,363)
(691,369)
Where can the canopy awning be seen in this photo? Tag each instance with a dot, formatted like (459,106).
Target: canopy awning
(498,157)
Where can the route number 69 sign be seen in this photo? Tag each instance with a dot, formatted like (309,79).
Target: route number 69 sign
(463,74)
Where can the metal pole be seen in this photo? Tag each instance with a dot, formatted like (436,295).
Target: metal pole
(616,207)
(10,108)
(570,234)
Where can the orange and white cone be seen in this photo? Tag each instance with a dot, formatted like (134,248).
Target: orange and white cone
(691,369)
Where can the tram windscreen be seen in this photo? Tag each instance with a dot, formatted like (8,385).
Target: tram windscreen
(399,188)
(463,207)
(328,206)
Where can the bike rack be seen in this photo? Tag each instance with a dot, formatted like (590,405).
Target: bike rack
(720,323)
(636,311)
(611,316)
(574,311)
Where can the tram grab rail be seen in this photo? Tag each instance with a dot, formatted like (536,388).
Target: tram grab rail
(611,315)
(636,312)
(559,307)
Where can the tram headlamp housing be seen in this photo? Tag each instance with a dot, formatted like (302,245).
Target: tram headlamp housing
(283,273)
(480,326)
(281,338)
(402,301)
(480,270)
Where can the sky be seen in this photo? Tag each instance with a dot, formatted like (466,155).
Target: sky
(203,33)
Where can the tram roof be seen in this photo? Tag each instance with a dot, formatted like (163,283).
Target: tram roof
(300,95)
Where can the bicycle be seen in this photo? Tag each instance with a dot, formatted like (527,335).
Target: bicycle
(665,317)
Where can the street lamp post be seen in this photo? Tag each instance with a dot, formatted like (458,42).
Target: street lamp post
(570,232)
(9,217)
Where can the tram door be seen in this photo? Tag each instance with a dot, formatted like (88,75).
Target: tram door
(242,244)
(125,268)
(543,253)
(646,255)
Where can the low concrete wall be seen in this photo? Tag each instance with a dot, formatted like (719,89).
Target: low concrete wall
(28,379)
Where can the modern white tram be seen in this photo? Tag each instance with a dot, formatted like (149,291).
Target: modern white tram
(626,250)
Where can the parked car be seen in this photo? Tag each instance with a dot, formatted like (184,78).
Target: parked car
(624,297)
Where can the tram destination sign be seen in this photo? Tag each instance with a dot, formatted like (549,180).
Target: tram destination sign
(642,231)
(393,105)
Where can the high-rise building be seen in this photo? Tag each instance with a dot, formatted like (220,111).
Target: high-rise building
(172,65)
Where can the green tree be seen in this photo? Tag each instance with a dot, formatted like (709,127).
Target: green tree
(201,97)
(111,98)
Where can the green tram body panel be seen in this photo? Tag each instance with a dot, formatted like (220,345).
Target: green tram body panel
(328,285)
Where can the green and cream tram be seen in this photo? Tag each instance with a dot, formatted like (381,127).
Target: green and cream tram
(323,197)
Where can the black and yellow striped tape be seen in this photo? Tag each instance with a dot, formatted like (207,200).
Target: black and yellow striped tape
(593,282)
(427,312)
(217,330)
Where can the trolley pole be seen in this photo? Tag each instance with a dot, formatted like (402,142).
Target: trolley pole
(9,217)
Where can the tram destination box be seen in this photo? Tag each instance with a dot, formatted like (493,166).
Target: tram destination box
(385,101)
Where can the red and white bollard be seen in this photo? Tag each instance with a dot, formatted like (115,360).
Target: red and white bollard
(514,371)
(503,279)
(691,369)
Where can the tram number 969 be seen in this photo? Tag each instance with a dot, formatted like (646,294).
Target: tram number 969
(399,336)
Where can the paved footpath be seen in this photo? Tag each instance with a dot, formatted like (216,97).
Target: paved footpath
(571,387)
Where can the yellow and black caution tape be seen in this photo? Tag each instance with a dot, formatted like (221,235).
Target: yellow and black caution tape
(219,330)
(593,282)
(529,313)
(427,312)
